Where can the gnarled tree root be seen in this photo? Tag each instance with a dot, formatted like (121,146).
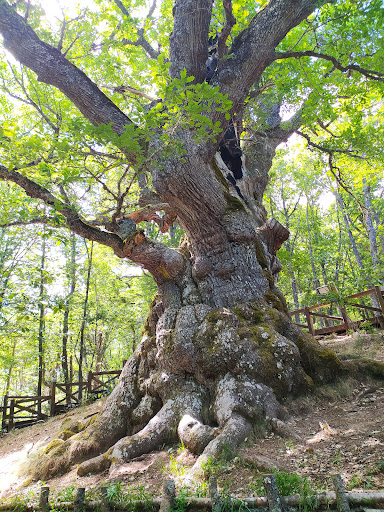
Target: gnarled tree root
(206,376)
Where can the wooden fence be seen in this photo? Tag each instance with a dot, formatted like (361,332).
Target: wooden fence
(344,322)
(338,499)
(22,411)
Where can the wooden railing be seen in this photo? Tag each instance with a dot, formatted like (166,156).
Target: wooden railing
(344,321)
(22,411)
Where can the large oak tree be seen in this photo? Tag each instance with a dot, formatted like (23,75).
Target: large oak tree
(182,128)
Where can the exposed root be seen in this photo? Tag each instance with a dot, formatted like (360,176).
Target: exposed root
(235,431)
(206,376)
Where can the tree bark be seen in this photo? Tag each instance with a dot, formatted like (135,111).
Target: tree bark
(369,224)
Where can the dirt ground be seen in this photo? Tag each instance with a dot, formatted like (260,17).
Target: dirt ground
(337,430)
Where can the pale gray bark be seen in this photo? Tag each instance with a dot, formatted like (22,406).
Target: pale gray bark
(369,224)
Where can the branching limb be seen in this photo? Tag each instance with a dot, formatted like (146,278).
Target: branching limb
(53,68)
(141,41)
(48,221)
(189,39)
(329,151)
(164,263)
(335,171)
(230,21)
(73,221)
(254,48)
(368,73)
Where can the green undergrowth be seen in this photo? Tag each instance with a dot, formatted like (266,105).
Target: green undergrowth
(290,484)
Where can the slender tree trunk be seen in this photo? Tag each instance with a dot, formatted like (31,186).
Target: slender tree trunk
(289,244)
(82,330)
(10,370)
(316,281)
(369,224)
(379,224)
(71,273)
(41,320)
(347,223)
(359,261)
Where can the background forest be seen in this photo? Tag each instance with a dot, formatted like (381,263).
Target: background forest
(68,296)
(65,303)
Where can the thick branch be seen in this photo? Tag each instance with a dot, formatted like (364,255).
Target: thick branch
(164,263)
(254,49)
(368,73)
(189,39)
(53,68)
(73,220)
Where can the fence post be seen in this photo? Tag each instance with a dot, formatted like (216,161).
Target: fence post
(104,500)
(347,320)
(53,399)
(381,302)
(309,321)
(272,492)
(43,501)
(11,420)
(169,495)
(341,497)
(89,382)
(214,495)
(79,500)
(5,407)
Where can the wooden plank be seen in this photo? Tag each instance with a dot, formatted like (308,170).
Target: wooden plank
(111,372)
(328,316)
(216,506)
(362,306)
(79,501)
(380,298)
(21,408)
(361,294)
(297,312)
(36,397)
(52,404)
(5,407)
(332,328)
(319,306)
(309,321)
(89,382)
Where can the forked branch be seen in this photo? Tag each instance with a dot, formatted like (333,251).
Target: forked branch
(54,69)
(368,73)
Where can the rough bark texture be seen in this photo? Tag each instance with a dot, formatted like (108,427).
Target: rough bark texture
(218,351)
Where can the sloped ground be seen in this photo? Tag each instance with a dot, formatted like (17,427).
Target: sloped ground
(339,430)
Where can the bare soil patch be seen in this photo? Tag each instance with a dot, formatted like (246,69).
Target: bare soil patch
(337,430)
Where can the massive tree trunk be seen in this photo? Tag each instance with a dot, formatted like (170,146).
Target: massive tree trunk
(218,352)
